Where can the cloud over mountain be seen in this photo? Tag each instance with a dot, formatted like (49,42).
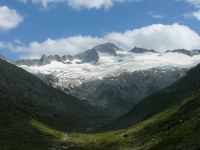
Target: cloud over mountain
(157,36)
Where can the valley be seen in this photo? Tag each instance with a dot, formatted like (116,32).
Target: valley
(103,98)
(112,79)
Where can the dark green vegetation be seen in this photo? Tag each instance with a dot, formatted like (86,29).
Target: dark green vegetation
(24,97)
(35,116)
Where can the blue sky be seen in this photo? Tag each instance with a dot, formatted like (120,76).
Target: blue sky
(31,28)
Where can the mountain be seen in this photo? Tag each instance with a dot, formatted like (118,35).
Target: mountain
(10,61)
(37,116)
(87,56)
(25,99)
(162,100)
(141,50)
(168,119)
(111,79)
(186,52)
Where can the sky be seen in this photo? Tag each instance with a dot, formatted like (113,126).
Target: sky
(31,28)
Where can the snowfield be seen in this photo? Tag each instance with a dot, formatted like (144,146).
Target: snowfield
(109,65)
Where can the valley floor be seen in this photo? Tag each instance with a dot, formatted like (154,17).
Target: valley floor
(174,128)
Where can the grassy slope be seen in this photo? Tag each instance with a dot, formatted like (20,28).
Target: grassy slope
(175,128)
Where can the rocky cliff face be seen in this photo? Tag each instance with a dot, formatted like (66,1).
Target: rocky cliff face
(141,50)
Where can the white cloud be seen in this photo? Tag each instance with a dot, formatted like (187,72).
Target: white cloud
(23,1)
(196,3)
(9,18)
(17,41)
(151,12)
(197,15)
(194,14)
(157,36)
(157,16)
(80,4)
(63,46)
(2,45)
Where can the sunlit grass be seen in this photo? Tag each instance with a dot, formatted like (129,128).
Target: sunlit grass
(161,128)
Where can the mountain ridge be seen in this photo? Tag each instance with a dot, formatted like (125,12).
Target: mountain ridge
(92,55)
(86,56)
(110,79)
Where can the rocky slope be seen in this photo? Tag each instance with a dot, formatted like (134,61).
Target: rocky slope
(109,78)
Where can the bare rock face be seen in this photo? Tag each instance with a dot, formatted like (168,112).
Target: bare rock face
(107,48)
(141,50)
(186,52)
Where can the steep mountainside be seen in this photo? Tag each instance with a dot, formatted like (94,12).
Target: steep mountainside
(109,78)
(160,101)
(10,61)
(24,98)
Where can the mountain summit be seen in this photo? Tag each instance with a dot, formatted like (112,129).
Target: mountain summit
(87,56)
(107,48)
(141,50)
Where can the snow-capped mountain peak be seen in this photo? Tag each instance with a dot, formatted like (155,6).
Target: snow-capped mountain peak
(105,75)
(108,58)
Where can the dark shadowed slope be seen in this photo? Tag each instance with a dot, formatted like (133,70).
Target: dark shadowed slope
(25,98)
